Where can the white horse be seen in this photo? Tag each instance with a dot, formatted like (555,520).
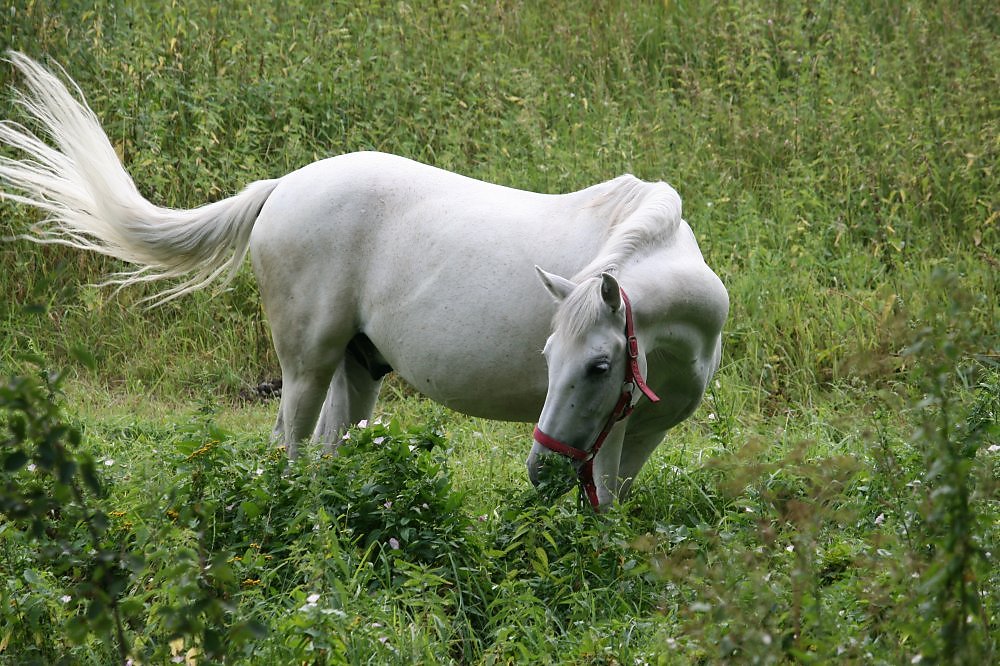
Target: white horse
(369,262)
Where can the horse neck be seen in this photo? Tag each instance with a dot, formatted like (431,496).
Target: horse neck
(643,284)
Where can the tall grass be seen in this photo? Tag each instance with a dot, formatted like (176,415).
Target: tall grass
(830,156)
(833,499)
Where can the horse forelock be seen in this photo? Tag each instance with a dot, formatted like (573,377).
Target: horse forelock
(640,215)
(580,311)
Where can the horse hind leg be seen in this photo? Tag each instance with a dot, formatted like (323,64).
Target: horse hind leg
(301,400)
(308,363)
(351,397)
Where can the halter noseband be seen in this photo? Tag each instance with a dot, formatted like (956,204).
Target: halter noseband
(624,406)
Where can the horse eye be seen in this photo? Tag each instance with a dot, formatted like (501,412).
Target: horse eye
(598,368)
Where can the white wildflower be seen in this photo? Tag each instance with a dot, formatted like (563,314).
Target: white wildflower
(310,602)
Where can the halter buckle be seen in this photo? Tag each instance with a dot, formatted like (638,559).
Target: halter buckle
(633,347)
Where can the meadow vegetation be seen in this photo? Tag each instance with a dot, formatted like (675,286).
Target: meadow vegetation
(835,498)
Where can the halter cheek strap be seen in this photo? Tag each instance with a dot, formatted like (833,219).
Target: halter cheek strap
(634,374)
(624,406)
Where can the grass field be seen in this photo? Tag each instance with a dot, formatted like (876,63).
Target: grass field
(834,500)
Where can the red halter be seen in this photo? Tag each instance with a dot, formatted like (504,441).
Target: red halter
(624,406)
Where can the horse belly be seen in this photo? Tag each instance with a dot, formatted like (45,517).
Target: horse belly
(488,376)
(486,400)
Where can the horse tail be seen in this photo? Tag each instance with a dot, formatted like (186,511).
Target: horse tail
(92,203)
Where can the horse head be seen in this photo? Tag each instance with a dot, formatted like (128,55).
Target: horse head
(594,367)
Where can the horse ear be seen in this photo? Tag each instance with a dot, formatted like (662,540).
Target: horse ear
(558,286)
(611,292)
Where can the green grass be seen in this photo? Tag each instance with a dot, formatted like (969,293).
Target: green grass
(834,499)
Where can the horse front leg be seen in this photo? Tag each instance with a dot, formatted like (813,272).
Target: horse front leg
(636,450)
(606,464)
(647,427)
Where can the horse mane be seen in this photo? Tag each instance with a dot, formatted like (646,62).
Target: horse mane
(578,313)
(639,214)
